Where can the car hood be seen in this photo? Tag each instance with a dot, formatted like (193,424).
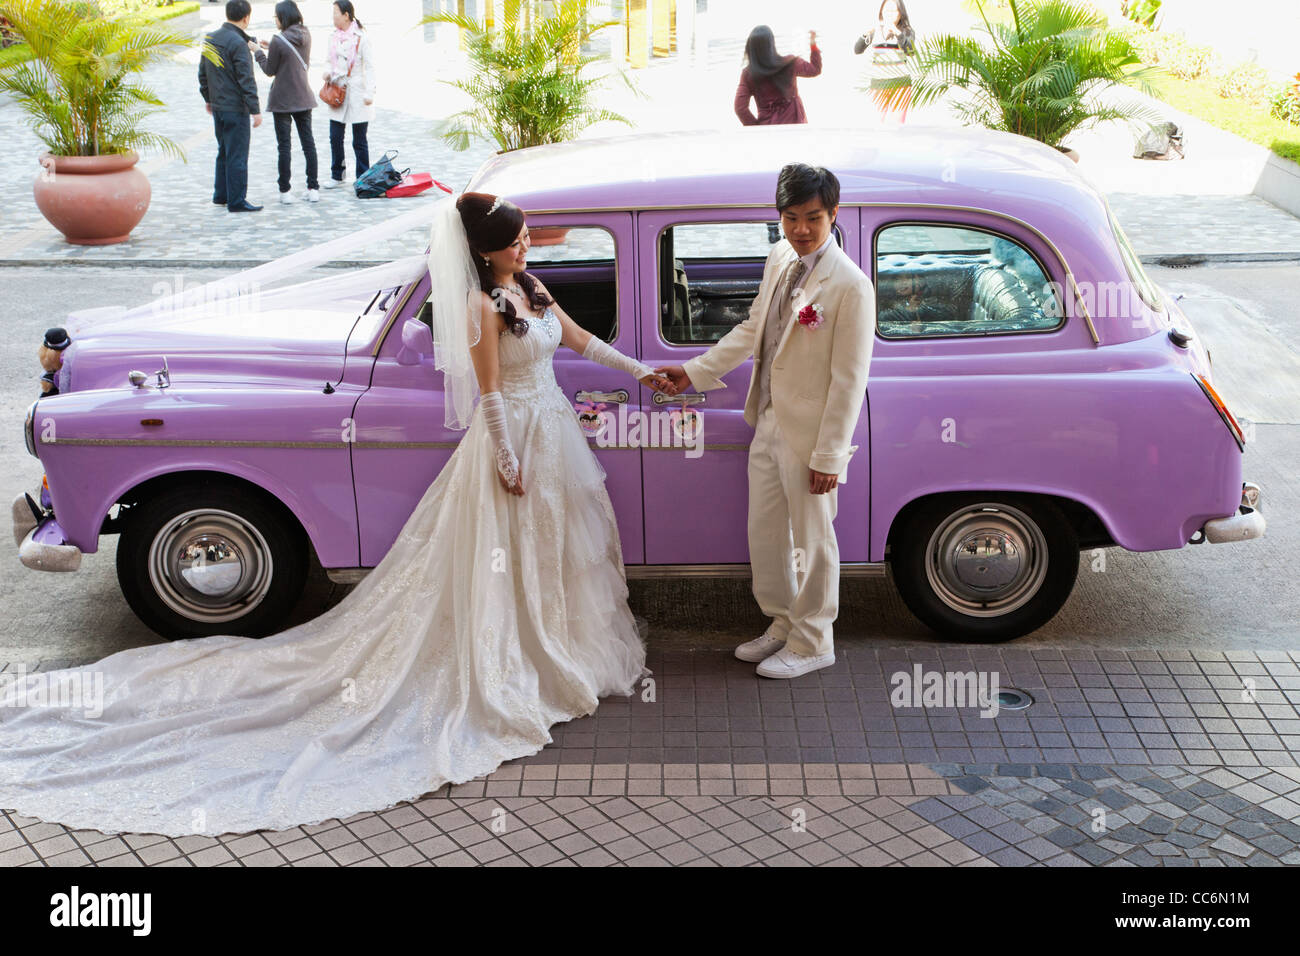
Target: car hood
(273,347)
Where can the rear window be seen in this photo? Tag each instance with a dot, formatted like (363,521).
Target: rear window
(942,279)
(1147,289)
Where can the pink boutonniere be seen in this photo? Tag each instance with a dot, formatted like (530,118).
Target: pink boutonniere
(811,316)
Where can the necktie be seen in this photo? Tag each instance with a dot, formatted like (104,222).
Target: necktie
(795,275)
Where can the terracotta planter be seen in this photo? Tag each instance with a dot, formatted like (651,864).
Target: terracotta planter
(92,200)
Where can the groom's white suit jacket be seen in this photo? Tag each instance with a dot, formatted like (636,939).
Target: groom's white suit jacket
(819,376)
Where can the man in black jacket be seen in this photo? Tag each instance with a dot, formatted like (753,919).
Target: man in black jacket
(231,95)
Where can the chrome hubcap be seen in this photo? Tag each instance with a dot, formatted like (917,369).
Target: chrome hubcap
(986,560)
(210,565)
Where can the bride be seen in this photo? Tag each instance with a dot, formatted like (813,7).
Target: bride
(500,610)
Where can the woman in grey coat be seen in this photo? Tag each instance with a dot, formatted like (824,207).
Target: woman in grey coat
(291,99)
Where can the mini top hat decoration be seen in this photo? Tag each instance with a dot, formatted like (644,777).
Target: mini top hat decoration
(51,357)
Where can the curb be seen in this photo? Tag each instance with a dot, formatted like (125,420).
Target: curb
(1188,260)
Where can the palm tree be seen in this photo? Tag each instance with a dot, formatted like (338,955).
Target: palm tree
(78,89)
(528,79)
(1039,73)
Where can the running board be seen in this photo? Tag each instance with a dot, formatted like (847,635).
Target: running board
(641,572)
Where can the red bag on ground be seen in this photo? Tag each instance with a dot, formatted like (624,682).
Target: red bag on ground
(415,183)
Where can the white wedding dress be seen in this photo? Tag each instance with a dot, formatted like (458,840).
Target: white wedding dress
(492,618)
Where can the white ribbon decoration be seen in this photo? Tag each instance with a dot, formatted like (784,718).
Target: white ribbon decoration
(327,293)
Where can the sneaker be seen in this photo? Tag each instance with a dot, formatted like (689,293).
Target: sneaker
(286,199)
(786,663)
(313,195)
(760,648)
(333,183)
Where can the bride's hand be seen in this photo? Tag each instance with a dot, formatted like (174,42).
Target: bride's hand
(657,382)
(517,488)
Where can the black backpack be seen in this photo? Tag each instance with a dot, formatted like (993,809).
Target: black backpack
(379,178)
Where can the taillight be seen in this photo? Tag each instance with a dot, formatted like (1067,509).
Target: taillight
(1226,415)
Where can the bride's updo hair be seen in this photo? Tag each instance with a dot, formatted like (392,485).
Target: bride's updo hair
(491,230)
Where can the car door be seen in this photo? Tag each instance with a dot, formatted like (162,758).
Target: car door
(700,273)
(401,443)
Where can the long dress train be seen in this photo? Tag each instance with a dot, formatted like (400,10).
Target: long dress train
(492,618)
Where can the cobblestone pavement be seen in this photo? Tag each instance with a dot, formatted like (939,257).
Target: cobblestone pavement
(1170,758)
(183,226)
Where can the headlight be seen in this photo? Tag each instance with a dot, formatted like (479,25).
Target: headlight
(29,430)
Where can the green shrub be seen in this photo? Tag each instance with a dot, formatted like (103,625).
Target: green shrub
(1184,59)
(1285,103)
(1245,82)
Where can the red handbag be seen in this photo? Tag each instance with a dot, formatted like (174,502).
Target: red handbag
(415,183)
(333,95)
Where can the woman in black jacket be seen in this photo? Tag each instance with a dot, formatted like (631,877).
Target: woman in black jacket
(291,100)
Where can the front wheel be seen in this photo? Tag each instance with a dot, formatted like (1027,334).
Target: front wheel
(985,568)
(205,559)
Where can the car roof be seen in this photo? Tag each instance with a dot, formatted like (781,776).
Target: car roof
(932,165)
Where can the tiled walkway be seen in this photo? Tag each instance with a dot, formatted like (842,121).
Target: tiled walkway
(1125,758)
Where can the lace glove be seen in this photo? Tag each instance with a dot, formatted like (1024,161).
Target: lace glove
(494,414)
(610,357)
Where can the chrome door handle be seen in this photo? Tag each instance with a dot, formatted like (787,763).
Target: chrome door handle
(620,396)
(694,398)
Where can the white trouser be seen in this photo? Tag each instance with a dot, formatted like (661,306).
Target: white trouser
(792,548)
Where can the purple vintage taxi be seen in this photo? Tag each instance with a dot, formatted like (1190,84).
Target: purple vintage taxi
(1032,393)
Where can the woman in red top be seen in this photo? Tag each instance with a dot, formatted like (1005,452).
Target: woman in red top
(770,80)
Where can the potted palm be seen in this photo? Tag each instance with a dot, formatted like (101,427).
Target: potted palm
(81,94)
(1039,71)
(528,80)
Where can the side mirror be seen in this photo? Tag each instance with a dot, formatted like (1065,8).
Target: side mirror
(417,343)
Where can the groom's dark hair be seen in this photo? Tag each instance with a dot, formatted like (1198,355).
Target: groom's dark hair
(798,183)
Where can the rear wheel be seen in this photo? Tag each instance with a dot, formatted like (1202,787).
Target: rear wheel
(208,559)
(986,567)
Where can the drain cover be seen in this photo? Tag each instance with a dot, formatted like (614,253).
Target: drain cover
(1012,699)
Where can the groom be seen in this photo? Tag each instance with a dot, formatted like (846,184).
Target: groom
(810,331)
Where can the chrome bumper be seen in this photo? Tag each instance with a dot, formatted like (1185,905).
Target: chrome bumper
(1246,524)
(41,542)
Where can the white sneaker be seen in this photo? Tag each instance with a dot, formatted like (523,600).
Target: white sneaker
(786,663)
(760,648)
(313,195)
(333,183)
(286,199)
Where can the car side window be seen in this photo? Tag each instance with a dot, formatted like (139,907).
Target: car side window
(709,274)
(579,267)
(935,279)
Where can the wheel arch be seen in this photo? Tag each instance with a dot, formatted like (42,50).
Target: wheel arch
(140,493)
(1088,525)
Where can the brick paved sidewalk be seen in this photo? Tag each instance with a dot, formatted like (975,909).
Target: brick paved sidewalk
(1124,758)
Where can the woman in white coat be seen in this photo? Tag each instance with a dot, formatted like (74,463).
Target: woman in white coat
(352,66)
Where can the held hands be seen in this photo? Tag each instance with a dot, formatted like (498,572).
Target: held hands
(257,120)
(678,380)
(656,382)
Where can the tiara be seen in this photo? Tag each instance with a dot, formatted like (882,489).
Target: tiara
(495,203)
